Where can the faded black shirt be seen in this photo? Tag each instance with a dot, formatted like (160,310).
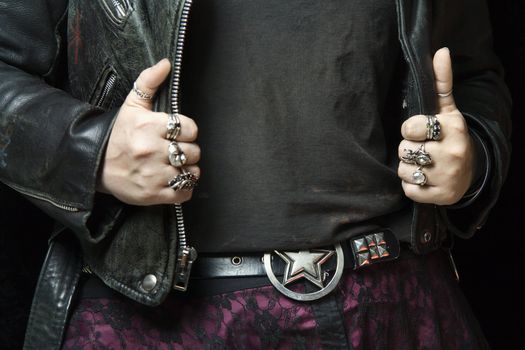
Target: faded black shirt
(298,120)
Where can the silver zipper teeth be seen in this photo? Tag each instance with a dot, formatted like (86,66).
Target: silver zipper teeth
(177,64)
(110,83)
(121,12)
(180,225)
(47,200)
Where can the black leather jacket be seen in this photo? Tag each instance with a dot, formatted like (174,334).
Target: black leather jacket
(66,66)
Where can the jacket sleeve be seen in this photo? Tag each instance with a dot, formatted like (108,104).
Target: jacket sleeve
(482,97)
(51,144)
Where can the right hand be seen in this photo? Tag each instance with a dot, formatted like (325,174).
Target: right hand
(136,168)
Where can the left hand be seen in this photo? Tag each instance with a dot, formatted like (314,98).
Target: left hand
(453,160)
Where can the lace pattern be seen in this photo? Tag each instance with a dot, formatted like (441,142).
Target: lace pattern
(412,303)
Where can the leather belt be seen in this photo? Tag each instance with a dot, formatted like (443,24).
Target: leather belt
(320,269)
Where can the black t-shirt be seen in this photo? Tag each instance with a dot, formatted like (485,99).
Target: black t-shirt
(298,115)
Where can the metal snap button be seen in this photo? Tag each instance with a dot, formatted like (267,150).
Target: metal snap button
(236,260)
(149,282)
(427,236)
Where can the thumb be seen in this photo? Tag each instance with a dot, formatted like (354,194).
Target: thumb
(444,80)
(148,83)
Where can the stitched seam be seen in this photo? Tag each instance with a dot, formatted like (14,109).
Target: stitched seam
(58,43)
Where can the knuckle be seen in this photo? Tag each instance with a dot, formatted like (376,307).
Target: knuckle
(183,196)
(410,129)
(458,151)
(458,125)
(141,148)
(191,128)
(198,153)
(193,132)
(400,170)
(145,123)
(450,196)
(146,196)
(410,191)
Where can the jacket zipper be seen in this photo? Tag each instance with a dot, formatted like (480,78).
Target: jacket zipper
(117,10)
(108,87)
(44,199)
(408,56)
(121,12)
(186,254)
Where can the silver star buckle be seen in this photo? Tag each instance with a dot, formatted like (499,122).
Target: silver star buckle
(306,266)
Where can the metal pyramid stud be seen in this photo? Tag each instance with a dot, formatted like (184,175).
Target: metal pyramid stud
(374,253)
(363,259)
(380,238)
(370,240)
(360,245)
(383,252)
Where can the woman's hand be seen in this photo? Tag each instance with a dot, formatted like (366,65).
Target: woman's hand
(136,168)
(453,160)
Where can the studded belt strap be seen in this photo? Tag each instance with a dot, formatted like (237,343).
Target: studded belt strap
(307,274)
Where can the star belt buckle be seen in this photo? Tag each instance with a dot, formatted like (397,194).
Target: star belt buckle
(319,269)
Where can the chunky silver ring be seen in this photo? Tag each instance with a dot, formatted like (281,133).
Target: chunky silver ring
(446,94)
(141,94)
(173,126)
(419,157)
(419,177)
(176,157)
(184,181)
(433,128)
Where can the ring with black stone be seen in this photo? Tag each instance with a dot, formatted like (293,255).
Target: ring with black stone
(433,128)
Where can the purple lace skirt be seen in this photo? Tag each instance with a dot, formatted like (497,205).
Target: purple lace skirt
(411,303)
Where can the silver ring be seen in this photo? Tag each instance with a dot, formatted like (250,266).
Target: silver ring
(419,157)
(433,128)
(419,177)
(176,157)
(141,94)
(184,181)
(447,94)
(173,127)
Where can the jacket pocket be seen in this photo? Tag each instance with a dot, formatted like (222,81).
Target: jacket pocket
(103,94)
(117,11)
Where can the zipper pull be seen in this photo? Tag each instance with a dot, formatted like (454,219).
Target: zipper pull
(186,257)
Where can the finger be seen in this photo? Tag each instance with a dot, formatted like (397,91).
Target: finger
(429,194)
(431,147)
(192,152)
(167,195)
(444,80)
(421,194)
(188,127)
(415,128)
(406,173)
(148,82)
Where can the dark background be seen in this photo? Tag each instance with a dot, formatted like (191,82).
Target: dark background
(489,264)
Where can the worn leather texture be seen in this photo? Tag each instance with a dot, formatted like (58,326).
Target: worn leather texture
(53,134)
(53,296)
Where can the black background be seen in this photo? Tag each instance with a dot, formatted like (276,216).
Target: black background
(490,264)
